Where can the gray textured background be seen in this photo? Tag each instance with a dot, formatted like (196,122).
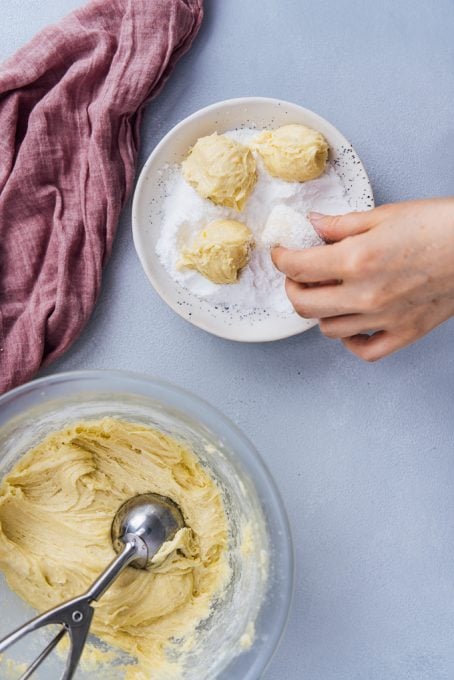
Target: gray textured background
(363,454)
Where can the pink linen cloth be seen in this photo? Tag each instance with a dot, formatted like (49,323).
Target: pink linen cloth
(70,109)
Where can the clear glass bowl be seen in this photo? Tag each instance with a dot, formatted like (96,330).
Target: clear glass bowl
(261,585)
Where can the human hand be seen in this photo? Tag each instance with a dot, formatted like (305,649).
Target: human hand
(389,271)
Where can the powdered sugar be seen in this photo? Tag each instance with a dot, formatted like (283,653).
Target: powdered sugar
(260,285)
(289,228)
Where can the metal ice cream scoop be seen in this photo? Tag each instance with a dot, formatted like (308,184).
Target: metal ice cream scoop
(139,529)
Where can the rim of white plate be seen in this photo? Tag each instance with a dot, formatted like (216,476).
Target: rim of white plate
(207,120)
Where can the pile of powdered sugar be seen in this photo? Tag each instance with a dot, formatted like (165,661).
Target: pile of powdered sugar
(260,285)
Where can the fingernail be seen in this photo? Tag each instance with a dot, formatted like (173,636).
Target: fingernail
(316,217)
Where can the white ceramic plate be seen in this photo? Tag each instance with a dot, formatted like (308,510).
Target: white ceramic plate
(252,112)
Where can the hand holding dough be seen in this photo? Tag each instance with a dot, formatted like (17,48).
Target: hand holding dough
(222,170)
(294,153)
(219,251)
(289,228)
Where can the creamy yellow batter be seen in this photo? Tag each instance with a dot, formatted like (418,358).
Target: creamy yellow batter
(56,510)
(221,169)
(294,153)
(219,251)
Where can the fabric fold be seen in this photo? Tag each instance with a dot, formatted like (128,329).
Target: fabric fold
(70,108)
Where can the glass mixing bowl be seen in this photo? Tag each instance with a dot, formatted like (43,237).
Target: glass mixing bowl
(259,593)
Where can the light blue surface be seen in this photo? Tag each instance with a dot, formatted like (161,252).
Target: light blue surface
(363,454)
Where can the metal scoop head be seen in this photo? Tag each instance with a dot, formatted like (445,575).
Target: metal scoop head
(153,518)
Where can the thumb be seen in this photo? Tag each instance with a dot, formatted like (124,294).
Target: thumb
(337,227)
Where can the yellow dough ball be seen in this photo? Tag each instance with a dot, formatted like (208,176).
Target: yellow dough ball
(219,251)
(222,170)
(295,153)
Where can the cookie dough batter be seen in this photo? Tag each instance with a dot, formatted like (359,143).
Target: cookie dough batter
(219,251)
(222,170)
(294,153)
(56,509)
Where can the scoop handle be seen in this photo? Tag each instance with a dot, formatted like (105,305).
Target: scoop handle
(75,615)
(134,549)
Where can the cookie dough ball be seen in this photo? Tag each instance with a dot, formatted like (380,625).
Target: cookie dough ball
(289,228)
(222,170)
(219,251)
(295,153)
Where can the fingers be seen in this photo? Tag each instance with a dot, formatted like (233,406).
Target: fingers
(374,347)
(319,302)
(333,262)
(351,324)
(337,227)
(322,263)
